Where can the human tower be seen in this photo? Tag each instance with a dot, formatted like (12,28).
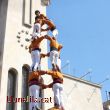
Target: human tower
(34,81)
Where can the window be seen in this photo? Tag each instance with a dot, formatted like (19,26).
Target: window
(27,13)
(11,88)
(25,91)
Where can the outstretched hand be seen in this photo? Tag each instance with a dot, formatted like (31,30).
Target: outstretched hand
(42,55)
(44,86)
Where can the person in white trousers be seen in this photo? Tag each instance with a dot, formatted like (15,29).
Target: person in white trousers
(57,86)
(35,49)
(35,84)
(34,92)
(55,48)
(58,62)
(35,56)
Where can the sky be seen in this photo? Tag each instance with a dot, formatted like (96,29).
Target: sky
(84,31)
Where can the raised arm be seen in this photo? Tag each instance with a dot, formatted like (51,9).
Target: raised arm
(41,38)
(49,72)
(41,72)
(50,85)
(48,37)
(49,23)
(43,86)
(44,55)
(60,47)
(54,74)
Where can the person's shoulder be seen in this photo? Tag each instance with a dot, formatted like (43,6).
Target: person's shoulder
(42,15)
(49,71)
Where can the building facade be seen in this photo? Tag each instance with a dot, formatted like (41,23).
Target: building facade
(18,16)
(106,104)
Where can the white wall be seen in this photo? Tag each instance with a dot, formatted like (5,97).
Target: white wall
(81,95)
(15,56)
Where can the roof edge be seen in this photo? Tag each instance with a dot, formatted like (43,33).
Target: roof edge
(82,80)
